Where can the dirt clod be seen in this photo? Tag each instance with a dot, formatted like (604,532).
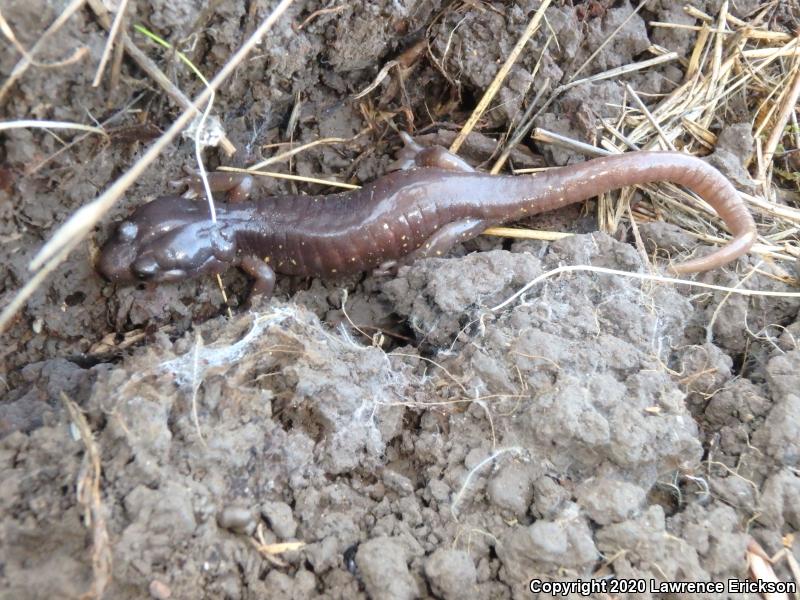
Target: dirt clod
(451,573)
(382,566)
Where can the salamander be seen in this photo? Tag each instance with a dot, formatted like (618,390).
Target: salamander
(433,201)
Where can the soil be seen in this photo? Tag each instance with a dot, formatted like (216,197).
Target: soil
(412,441)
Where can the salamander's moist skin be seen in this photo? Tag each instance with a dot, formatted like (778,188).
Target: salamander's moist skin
(435,201)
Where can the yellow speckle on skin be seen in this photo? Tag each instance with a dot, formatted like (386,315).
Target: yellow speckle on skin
(438,253)
(333,270)
(266,260)
(293,261)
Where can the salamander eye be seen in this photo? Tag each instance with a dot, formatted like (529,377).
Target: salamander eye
(128,230)
(146,267)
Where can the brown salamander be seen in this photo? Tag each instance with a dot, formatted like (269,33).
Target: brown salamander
(434,201)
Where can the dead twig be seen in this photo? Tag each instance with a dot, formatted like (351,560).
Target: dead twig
(88,494)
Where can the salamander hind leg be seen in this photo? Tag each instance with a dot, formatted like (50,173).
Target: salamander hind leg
(447,237)
(438,244)
(263,275)
(414,155)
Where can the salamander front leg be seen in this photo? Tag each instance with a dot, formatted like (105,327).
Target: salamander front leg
(413,155)
(237,185)
(438,244)
(263,275)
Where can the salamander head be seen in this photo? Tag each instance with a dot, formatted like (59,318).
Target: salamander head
(169,239)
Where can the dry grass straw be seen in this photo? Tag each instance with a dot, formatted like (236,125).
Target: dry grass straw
(749,60)
(493,88)
(289,176)
(112,36)
(641,277)
(730,56)
(271,551)
(303,147)
(28,58)
(759,565)
(35,124)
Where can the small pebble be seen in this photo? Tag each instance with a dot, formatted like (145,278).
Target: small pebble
(238,519)
(159,590)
